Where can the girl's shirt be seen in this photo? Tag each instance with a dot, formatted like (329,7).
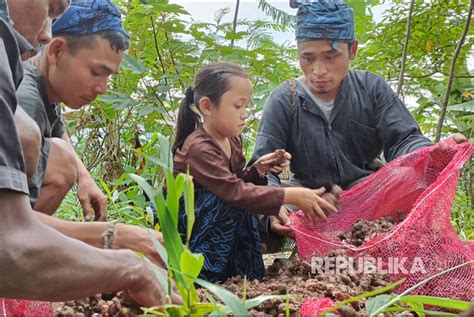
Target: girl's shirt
(226,177)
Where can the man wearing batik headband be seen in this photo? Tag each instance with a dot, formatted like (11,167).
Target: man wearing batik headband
(87,47)
(334,121)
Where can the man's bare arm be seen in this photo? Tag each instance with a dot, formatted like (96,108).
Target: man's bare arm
(92,200)
(125,237)
(37,262)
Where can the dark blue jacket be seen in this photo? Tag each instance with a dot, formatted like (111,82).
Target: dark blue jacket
(367,118)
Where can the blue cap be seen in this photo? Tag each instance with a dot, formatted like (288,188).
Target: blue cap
(329,20)
(89,17)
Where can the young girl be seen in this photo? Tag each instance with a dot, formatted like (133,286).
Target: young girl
(226,194)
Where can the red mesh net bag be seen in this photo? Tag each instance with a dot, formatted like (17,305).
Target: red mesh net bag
(315,306)
(24,308)
(421,186)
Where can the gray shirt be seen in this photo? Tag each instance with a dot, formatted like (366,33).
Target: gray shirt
(325,106)
(33,98)
(12,165)
(368,118)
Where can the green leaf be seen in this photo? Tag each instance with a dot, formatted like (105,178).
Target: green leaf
(189,206)
(165,159)
(447,303)
(160,161)
(364,295)
(162,278)
(105,187)
(118,100)
(466,118)
(196,309)
(419,311)
(171,235)
(287,308)
(202,309)
(235,36)
(419,308)
(115,196)
(191,265)
(376,302)
(153,312)
(166,154)
(133,64)
(249,304)
(236,306)
(146,110)
(150,191)
(169,8)
(276,14)
(175,248)
(211,300)
(149,214)
(177,310)
(159,247)
(160,204)
(173,244)
(254,302)
(397,298)
(174,191)
(465,106)
(422,313)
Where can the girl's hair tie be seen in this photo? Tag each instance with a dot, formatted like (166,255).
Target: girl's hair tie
(189,95)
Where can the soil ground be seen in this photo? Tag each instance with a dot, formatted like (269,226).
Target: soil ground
(286,275)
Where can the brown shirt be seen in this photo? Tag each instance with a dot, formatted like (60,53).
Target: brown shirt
(224,177)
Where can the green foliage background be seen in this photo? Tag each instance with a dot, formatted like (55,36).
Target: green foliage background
(168,46)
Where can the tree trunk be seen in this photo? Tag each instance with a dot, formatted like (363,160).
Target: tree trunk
(405,48)
(451,73)
(234,24)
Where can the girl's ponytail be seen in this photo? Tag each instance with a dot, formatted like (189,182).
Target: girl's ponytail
(188,120)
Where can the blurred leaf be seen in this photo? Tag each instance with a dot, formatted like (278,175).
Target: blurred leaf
(365,295)
(376,302)
(447,303)
(118,100)
(191,265)
(465,106)
(233,302)
(189,205)
(159,273)
(249,304)
(158,246)
(133,64)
